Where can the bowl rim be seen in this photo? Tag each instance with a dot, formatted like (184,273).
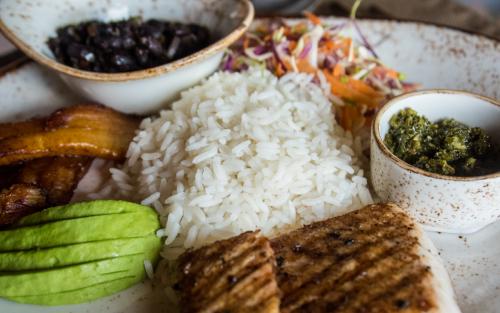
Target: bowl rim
(217,46)
(400,163)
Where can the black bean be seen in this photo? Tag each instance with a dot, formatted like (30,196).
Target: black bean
(152,31)
(154,46)
(115,42)
(122,62)
(74,50)
(126,45)
(172,48)
(101,42)
(142,56)
(144,41)
(182,30)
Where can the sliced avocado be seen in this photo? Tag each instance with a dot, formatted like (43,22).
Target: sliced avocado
(78,230)
(77,253)
(70,277)
(79,210)
(90,293)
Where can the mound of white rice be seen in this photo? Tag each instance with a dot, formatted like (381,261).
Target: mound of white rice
(242,151)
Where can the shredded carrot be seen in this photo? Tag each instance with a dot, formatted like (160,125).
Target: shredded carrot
(338,70)
(245,44)
(268,37)
(355,118)
(363,88)
(278,68)
(392,73)
(379,70)
(288,66)
(383,70)
(292,45)
(327,35)
(280,71)
(323,50)
(274,62)
(313,18)
(332,46)
(345,119)
(299,27)
(337,87)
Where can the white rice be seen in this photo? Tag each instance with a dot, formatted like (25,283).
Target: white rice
(242,151)
(149,269)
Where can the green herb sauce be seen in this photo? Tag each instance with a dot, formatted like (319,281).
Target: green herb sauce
(447,147)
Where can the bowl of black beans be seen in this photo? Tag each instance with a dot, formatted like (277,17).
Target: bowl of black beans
(134,56)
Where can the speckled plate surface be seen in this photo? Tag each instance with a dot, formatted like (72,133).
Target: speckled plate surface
(437,57)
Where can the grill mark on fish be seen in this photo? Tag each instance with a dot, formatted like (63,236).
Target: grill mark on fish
(211,272)
(233,275)
(379,268)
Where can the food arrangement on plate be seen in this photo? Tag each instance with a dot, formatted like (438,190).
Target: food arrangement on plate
(283,182)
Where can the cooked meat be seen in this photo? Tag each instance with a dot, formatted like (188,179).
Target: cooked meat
(38,184)
(91,130)
(233,275)
(376,259)
(21,200)
(59,176)
(9,174)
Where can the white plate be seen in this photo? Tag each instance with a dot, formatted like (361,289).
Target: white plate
(438,57)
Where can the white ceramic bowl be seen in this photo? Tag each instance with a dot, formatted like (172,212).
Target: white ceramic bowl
(29,24)
(438,202)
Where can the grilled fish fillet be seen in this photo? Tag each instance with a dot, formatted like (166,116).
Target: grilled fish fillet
(233,275)
(376,259)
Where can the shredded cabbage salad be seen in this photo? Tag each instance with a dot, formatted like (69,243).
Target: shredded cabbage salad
(360,83)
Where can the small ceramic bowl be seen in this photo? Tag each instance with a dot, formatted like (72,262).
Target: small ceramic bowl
(29,24)
(438,202)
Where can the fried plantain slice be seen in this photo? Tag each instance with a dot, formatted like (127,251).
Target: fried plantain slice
(21,200)
(92,130)
(59,176)
(38,184)
(27,127)
(95,116)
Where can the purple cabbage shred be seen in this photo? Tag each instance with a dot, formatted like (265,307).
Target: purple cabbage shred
(367,45)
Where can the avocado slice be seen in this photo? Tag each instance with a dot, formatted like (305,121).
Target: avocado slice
(78,230)
(86,294)
(84,209)
(32,283)
(77,253)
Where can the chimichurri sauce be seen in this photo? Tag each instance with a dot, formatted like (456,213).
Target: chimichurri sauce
(447,147)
